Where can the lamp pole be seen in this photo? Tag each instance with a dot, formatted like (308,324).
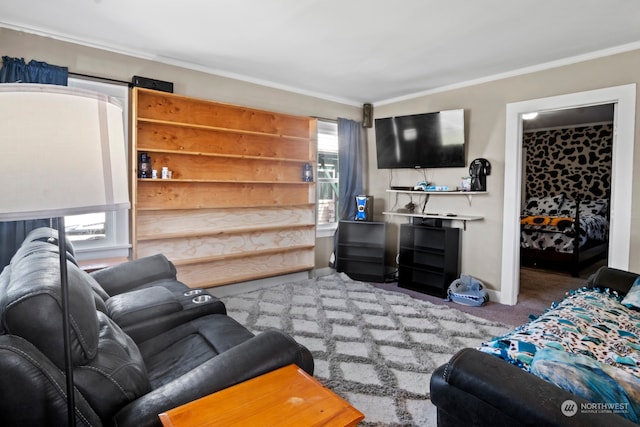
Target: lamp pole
(54,121)
(66,328)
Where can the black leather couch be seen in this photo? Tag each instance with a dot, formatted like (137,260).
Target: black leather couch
(478,389)
(177,350)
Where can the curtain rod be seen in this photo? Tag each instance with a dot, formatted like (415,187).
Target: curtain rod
(325,119)
(100,78)
(94,77)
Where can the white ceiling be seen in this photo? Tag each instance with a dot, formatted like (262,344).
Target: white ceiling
(352,51)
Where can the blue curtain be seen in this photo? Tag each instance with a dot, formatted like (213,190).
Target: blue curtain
(15,70)
(350,164)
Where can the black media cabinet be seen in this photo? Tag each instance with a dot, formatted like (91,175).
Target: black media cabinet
(429,258)
(361,250)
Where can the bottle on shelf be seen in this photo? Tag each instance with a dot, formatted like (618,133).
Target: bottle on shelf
(144,169)
(307,173)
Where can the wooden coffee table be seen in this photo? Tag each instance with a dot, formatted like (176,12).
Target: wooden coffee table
(285,397)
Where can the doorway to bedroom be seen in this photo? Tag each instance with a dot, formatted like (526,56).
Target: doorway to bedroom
(566,189)
(623,98)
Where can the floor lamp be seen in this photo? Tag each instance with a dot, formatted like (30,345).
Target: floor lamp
(63,153)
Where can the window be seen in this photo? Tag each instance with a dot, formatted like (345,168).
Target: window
(82,228)
(327,180)
(101,234)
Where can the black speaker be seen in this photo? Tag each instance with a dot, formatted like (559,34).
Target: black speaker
(367,116)
(148,83)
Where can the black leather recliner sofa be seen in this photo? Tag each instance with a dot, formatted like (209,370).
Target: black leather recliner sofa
(173,355)
(144,296)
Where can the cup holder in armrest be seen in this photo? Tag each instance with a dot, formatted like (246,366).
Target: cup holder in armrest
(193,292)
(202,299)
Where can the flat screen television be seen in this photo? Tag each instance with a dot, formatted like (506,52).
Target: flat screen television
(430,140)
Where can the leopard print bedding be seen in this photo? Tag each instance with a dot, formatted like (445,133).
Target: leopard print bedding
(561,237)
(547,223)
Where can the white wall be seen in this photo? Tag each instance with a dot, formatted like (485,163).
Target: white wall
(485,107)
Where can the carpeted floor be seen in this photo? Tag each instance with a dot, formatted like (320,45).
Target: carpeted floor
(375,348)
(538,290)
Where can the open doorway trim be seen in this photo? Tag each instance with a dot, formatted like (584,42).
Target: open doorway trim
(624,98)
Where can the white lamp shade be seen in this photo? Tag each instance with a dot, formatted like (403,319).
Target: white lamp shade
(63,152)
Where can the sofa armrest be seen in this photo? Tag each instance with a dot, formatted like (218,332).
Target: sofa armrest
(33,389)
(145,313)
(263,353)
(134,274)
(478,389)
(612,278)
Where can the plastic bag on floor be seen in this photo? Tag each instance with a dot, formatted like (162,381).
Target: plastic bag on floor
(467,290)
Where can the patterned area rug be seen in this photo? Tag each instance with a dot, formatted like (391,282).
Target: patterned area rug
(374,348)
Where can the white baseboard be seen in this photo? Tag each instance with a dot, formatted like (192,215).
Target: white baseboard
(496,296)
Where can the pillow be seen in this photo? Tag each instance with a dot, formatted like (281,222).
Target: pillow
(587,207)
(555,221)
(548,205)
(568,208)
(632,299)
(616,390)
(593,207)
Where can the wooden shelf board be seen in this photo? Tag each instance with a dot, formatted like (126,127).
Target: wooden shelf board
(247,230)
(220,129)
(172,194)
(246,277)
(231,208)
(224,181)
(230,156)
(238,255)
(222,207)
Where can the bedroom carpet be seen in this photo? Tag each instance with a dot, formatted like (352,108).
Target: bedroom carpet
(375,348)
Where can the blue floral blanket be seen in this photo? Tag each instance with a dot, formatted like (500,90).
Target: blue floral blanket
(588,344)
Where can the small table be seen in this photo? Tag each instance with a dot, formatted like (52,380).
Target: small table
(285,397)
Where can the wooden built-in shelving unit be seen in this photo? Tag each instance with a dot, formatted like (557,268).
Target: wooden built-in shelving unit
(236,207)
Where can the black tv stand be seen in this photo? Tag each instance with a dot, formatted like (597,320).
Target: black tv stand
(361,250)
(429,258)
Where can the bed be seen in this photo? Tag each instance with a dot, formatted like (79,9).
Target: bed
(562,233)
